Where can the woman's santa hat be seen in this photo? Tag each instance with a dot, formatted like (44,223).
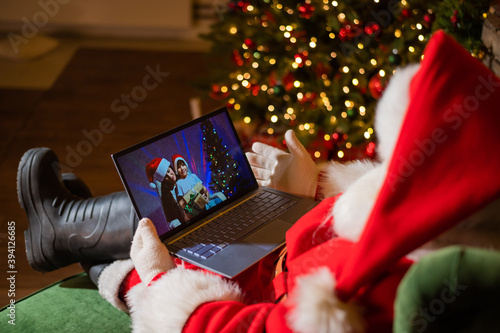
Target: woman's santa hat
(156,171)
(443,168)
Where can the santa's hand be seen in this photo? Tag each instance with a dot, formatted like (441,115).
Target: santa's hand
(293,172)
(149,255)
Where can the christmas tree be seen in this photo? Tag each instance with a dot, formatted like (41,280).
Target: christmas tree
(223,166)
(319,66)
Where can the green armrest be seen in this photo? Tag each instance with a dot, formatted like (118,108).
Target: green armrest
(456,289)
(71,305)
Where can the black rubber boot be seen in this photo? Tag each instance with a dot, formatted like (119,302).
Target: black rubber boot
(63,228)
(76,186)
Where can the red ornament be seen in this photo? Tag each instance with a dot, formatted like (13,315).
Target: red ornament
(236,58)
(309,100)
(406,13)
(370,149)
(239,5)
(372,28)
(254,89)
(272,79)
(216,92)
(302,56)
(429,19)
(454,18)
(306,10)
(250,43)
(350,31)
(288,81)
(375,86)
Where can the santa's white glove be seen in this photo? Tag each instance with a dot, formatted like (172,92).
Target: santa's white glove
(293,172)
(149,255)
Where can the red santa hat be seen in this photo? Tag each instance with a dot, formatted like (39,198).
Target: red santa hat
(444,167)
(156,170)
(176,158)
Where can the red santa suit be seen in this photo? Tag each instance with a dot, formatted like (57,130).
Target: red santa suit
(345,258)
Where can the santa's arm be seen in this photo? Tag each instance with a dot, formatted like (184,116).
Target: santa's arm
(162,297)
(185,300)
(295,172)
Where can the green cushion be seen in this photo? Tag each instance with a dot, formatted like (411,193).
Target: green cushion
(71,305)
(456,289)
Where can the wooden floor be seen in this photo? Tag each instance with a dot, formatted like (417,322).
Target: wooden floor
(94,85)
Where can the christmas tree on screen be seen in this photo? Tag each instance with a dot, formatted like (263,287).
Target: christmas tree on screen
(223,166)
(319,66)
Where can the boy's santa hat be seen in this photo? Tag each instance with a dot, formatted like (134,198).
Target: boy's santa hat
(176,158)
(444,167)
(156,170)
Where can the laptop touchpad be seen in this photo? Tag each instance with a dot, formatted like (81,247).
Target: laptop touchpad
(270,236)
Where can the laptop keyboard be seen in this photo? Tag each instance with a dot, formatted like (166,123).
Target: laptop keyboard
(216,235)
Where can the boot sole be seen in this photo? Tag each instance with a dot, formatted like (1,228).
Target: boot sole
(27,199)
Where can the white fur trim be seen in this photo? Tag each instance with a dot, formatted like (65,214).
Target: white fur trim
(161,170)
(337,177)
(353,207)
(165,306)
(316,309)
(110,280)
(391,110)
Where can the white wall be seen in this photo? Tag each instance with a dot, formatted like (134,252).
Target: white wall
(151,18)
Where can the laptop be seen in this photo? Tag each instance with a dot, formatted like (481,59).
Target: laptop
(196,185)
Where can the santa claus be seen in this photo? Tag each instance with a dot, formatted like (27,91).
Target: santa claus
(435,184)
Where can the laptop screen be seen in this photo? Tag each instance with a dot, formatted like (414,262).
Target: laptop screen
(182,175)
